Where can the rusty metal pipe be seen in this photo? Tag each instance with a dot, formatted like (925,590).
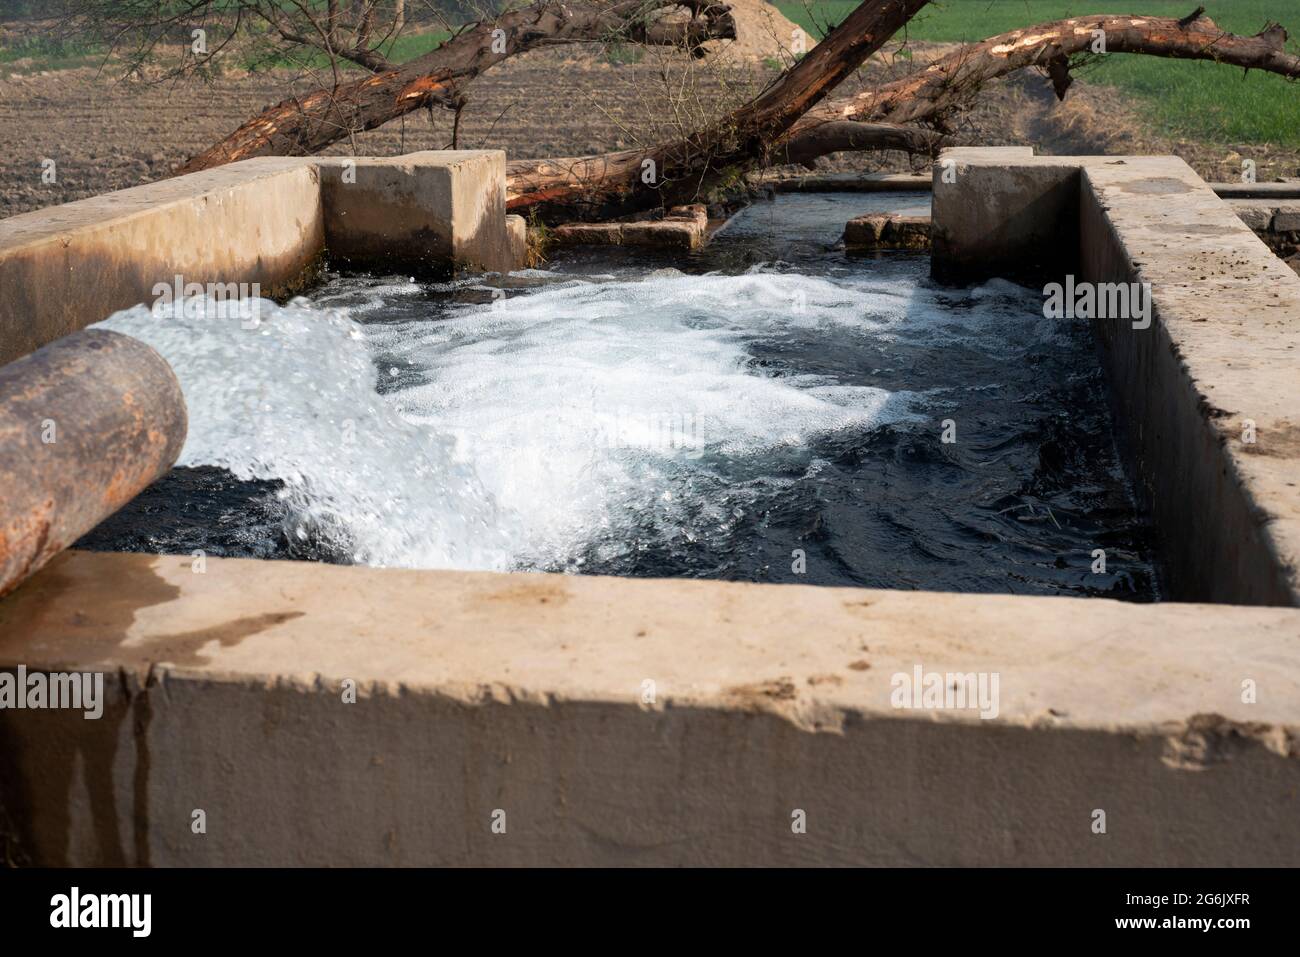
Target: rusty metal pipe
(86,423)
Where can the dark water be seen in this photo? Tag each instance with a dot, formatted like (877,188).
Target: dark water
(1019,502)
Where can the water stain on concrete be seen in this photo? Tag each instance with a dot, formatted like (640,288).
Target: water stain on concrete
(1281,440)
(1194,229)
(87,605)
(545,592)
(1156,186)
(183,648)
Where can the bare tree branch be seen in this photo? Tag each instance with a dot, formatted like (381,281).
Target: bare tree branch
(306,125)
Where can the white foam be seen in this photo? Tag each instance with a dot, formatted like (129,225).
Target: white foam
(522,432)
(295,399)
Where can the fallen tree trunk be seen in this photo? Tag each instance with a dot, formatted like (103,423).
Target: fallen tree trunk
(302,126)
(614,184)
(877,119)
(586,187)
(929,95)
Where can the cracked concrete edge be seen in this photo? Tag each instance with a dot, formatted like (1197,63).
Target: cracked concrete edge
(478,692)
(806,653)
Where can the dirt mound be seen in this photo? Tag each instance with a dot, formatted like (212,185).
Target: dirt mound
(763,31)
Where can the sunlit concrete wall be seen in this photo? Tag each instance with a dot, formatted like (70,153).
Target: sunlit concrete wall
(298,713)
(1207,393)
(293,713)
(265,221)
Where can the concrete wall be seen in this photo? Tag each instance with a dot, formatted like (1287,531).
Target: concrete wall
(1217,362)
(68,266)
(527,694)
(264,221)
(1000,212)
(429,211)
(680,722)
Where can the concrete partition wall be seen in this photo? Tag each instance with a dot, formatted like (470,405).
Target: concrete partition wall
(548,719)
(61,269)
(261,221)
(424,212)
(999,212)
(1207,394)
(1211,391)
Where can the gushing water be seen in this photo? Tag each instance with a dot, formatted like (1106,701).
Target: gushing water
(606,416)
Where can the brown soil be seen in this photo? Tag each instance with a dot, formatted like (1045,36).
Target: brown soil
(106,135)
(762,32)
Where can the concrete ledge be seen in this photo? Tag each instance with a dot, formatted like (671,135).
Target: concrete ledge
(526,694)
(683,229)
(1208,394)
(1270,191)
(887,231)
(263,221)
(785,182)
(259,221)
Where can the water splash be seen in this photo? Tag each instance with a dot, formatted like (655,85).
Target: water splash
(295,399)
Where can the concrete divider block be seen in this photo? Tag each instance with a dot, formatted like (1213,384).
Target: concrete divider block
(437,211)
(1003,212)
(1286,219)
(1255,213)
(887,231)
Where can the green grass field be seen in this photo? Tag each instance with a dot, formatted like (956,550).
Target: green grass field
(399,50)
(1194,99)
(1198,100)
(50,54)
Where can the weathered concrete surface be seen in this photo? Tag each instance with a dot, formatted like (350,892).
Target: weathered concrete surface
(887,231)
(1210,392)
(1218,360)
(530,695)
(434,211)
(1003,212)
(1272,191)
(86,424)
(263,221)
(682,228)
(62,268)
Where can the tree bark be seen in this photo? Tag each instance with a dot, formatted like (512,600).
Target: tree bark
(301,126)
(614,184)
(948,83)
(877,118)
(843,136)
